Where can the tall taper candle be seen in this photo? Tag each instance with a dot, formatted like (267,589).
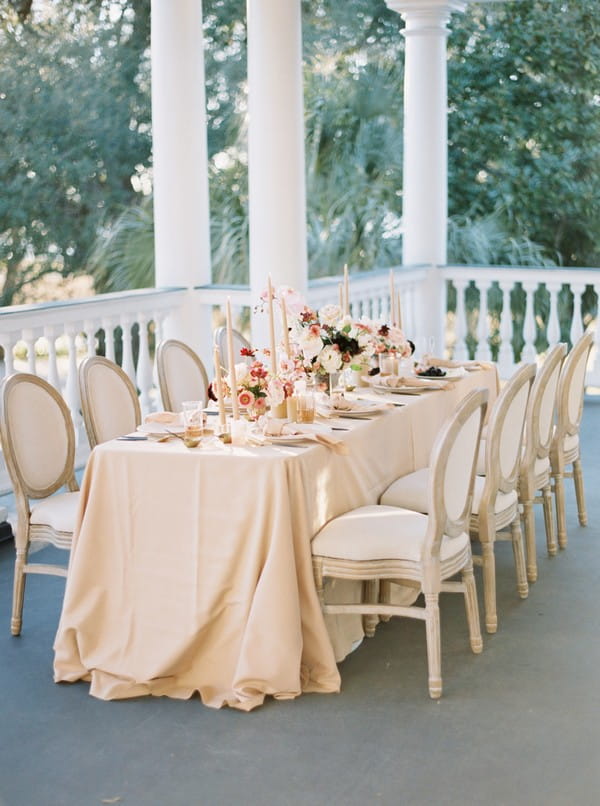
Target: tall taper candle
(219,381)
(284,325)
(398,311)
(341,301)
(272,329)
(231,362)
(392,299)
(346,290)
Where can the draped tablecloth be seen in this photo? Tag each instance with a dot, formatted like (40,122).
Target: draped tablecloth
(191,570)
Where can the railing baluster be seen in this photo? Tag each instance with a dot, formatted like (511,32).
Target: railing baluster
(460,329)
(144,367)
(576,330)
(506,359)
(108,326)
(128,366)
(553,329)
(483,352)
(53,376)
(28,337)
(529,353)
(71,392)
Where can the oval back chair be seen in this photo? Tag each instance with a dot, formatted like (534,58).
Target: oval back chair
(109,401)
(239,342)
(38,441)
(181,375)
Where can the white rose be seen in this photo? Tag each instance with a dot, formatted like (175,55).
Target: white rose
(275,392)
(330,314)
(310,344)
(330,359)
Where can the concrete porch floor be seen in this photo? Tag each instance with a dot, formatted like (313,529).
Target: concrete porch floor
(516,725)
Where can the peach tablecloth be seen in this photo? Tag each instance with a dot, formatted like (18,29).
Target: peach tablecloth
(191,569)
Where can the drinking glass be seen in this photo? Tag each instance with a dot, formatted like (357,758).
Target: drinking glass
(193,418)
(306,407)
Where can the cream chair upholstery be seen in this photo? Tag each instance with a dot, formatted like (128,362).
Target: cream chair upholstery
(239,342)
(534,475)
(109,401)
(380,543)
(495,499)
(181,375)
(38,441)
(565,448)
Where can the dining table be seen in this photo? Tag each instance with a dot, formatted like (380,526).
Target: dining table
(191,570)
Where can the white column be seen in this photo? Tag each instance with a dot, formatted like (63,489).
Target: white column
(181,210)
(425,168)
(276,180)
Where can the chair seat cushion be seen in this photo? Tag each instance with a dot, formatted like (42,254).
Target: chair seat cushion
(59,512)
(541,467)
(503,501)
(381,533)
(570,442)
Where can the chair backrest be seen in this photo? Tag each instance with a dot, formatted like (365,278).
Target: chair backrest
(38,437)
(504,443)
(452,471)
(109,400)
(571,387)
(181,375)
(539,420)
(220,340)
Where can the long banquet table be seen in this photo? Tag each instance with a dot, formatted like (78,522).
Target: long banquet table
(191,569)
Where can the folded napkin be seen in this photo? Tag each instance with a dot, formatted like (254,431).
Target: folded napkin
(432,361)
(164,417)
(274,427)
(395,381)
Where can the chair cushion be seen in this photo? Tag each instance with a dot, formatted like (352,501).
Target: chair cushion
(58,511)
(541,466)
(380,533)
(409,492)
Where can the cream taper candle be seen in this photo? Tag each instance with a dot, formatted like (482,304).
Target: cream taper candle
(284,325)
(346,290)
(398,311)
(219,382)
(272,329)
(392,299)
(231,361)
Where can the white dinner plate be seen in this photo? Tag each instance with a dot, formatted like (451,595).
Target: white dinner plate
(409,390)
(160,428)
(360,408)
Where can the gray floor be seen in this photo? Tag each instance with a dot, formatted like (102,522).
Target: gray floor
(518,724)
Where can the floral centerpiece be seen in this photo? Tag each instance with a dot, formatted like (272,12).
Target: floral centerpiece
(391,339)
(256,389)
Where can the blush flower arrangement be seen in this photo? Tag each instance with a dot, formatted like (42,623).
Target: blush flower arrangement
(391,339)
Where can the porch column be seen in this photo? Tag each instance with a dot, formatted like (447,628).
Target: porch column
(276,180)
(180,164)
(425,167)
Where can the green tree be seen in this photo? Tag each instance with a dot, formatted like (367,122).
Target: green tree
(74,124)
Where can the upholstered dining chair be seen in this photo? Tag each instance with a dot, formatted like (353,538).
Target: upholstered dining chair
(381,543)
(220,341)
(38,441)
(181,374)
(534,476)
(565,447)
(495,499)
(109,401)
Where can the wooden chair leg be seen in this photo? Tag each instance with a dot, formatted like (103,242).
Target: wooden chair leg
(385,596)
(18,593)
(370,596)
(489,587)
(529,523)
(549,520)
(561,518)
(472,610)
(579,492)
(519,555)
(434,644)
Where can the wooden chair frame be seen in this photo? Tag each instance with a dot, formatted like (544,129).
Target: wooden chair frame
(220,341)
(162,352)
(571,388)
(87,409)
(538,438)
(430,575)
(24,490)
(488,525)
